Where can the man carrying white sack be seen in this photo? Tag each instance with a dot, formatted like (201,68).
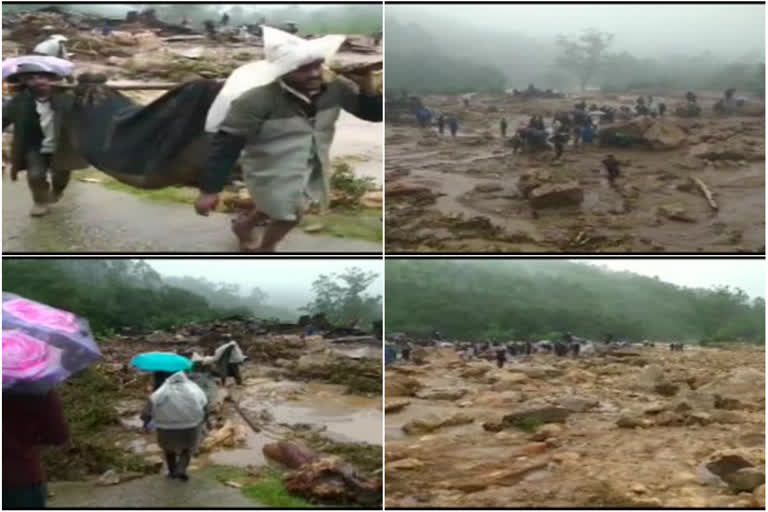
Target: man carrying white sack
(282,118)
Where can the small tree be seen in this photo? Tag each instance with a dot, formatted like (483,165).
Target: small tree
(583,55)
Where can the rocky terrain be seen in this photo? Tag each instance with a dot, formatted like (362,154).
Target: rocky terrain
(473,194)
(645,428)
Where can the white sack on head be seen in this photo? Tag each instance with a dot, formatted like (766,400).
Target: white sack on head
(284,53)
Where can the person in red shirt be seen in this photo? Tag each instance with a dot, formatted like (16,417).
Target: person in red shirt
(29,423)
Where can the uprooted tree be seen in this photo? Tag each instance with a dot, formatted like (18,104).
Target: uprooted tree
(582,56)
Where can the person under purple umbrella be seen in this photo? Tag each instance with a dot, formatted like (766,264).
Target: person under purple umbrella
(42,346)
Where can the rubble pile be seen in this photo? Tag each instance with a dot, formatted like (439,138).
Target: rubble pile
(653,428)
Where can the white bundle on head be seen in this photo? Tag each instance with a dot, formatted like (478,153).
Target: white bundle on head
(284,53)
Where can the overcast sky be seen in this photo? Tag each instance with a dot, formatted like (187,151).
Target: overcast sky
(749,275)
(646,30)
(284,281)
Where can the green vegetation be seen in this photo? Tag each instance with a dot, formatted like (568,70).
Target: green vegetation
(110,293)
(359,224)
(341,297)
(186,195)
(265,489)
(505,300)
(88,400)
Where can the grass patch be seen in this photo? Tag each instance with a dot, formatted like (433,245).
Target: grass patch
(360,224)
(265,489)
(528,424)
(186,195)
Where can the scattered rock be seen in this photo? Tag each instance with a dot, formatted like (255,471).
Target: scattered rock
(531,179)
(631,422)
(579,403)
(475,371)
(547,431)
(556,195)
(487,188)
(664,135)
(433,422)
(532,418)
(535,449)
(675,212)
(392,406)
(759,495)
(405,464)
(401,385)
(509,381)
(638,488)
(666,389)
(110,477)
(442,393)
(744,480)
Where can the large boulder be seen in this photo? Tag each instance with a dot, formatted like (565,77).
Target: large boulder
(531,179)
(291,455)
(442,393)
(401,385)
(556,195)
(333,482)
(664,135)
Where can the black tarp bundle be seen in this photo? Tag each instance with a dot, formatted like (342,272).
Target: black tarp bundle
(141,143)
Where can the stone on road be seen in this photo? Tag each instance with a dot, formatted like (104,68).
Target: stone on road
(154,491)
(91,218)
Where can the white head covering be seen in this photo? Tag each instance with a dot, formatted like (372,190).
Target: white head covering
(284,53)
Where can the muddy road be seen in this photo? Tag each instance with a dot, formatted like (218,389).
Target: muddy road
(91,218)
(626,431)
(462,194)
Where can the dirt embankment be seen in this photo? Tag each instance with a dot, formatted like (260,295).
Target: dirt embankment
(654,429)
(472,193)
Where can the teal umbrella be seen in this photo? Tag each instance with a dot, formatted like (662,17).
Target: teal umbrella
(161,362)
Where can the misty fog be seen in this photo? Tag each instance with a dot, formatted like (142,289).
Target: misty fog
(287,284)
(323,18)
(492,47)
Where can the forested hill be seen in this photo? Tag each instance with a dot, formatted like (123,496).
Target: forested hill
(110,293)
(508,299)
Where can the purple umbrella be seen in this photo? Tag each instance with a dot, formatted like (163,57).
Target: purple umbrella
(61,67)
(42,346)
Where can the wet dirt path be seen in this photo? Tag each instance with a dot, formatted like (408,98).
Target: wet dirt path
(90,218)
(476,206)
(150,492)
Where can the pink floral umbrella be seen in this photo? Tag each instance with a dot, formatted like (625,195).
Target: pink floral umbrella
(42,346)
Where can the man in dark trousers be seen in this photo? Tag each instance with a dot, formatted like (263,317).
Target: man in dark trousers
(36,112)
(612,166)
(453,125)
(441,124)
(503,127)
(501,356)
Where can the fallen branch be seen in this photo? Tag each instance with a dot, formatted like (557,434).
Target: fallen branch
(707,193)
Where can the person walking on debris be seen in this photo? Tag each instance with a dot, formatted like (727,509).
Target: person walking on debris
(501,356)
(690,97)
(178,410)
(227,360)
(560,139)
(441,124)
(503,127)
(453,125)
(30,422)
(284,130)
(406,352)
(612,166)
(38,145)
(662,109)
